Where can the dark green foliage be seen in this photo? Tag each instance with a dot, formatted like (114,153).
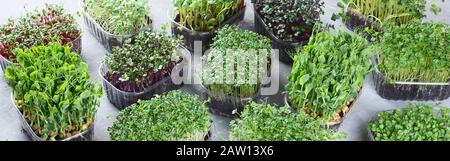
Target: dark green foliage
(205,15)
(291,20)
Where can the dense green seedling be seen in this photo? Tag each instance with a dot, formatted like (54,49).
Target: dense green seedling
(40,27)
(119,17)
(237,62)
(415,52)
(205,15)
(175,116)
(291,20)
(417,122)
(53,90)
(384,11)
(143,61)
(328,73)
(263,122)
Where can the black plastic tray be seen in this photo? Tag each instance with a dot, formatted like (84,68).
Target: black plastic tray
(122,99)
(408,90)
(83,136)
(285,48)
(76,46)
(189,36)
(207,136)
(226,106)
(107,39)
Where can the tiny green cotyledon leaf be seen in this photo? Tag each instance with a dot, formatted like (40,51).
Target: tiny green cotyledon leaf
(416,122)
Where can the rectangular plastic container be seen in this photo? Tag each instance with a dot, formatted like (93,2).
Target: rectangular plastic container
(330,125)
(107,39)
(122,99)
(5,63)
(417,91)
(224,105)
(285,48)
(189,36)
(83,136)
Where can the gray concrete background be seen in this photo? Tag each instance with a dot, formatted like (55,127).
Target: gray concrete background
(355,125)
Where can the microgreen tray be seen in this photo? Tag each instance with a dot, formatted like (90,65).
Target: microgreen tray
(419,91)
(189,36)
(122,99)
(76,47)
(285,48)
(227,106)
(107,39)
(83,136)
(330,125)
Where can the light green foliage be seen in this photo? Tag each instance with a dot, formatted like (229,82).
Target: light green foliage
(415,52)
(417,122)
(174,116)
(263,122)
(205,15)
(385,11)
(119,17)
(327,74)
(53,90)
(236,63)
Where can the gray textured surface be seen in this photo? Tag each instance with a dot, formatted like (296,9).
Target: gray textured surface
(366,107)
